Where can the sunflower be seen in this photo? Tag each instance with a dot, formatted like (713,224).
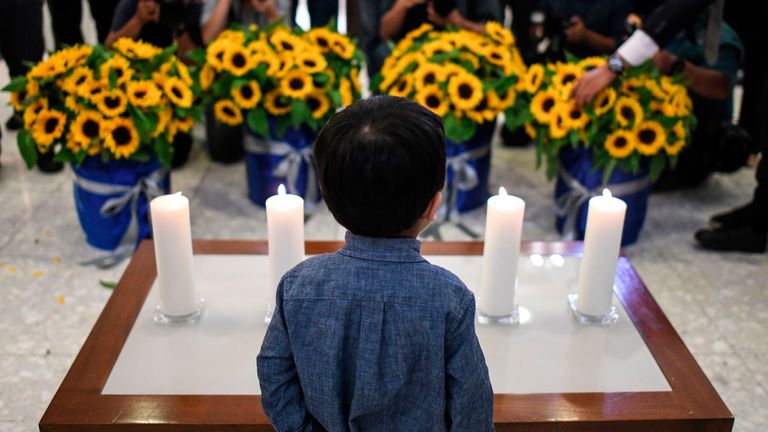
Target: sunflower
(436,47)
(566,75)
(424,28)
(503,101)
(428,74)
(544,106)
(91,91)
(530,130)
(471,59)
(248,95)
(675,147)
(214,55)
(183,71)
(49,125)
(120,66)
(557,127)
(620,144)
(465,91)
(276,103)
(498,33)
(650,137)
(135,49)
(178,92)
(184,125)
(590,63)
(164,117)
(49,68)
(629,86)
(284,65)
(321,38)
(628,111)
(574,117)
(354,76)
(604,101)
(237,60)
(345,90)
(32,111)
(324,84)
(433,99)
(311,61)
(498,56)
(342,47)
(17,100)
(120,137)
(533,78)
(483,112)
(681,103)
(85,129)
(227,112)
(654,88)
(143,93)
(284,42)
(73,104)
(207,75)
(232,35)
(112,103)
(319,104)
(296,84)
(403,86)
(78,78)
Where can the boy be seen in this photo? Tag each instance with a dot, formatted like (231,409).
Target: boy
(373,337)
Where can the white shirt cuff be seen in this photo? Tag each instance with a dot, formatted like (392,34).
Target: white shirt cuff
(638,49)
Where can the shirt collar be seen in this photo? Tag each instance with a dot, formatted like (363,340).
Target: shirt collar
(382,249)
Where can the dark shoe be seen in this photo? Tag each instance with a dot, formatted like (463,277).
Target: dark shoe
(46,163)
(733,239)
(733,218)
(14,123)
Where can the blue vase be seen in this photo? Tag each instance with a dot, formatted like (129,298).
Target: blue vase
(573,205)
(469,167)
(109,196)
(283,160)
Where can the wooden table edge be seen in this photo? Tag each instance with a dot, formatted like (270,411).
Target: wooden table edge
(92,366)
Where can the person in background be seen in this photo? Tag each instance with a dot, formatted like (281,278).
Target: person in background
(67,14)
(320,11)
(711,90)
(374,337)
(217,15)
(391,20)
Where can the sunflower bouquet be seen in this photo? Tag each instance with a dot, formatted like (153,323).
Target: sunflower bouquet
(295,78)
(124,103)
(464,77)
(643,120)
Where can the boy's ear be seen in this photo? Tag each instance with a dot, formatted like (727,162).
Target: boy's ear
(433,207)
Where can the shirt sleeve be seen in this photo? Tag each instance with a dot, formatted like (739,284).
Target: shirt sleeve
(468,387)
(281,394)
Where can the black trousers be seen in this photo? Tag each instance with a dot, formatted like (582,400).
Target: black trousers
(21,33)
(320,11)
(67,14)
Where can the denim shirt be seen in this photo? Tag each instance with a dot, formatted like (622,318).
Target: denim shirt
(374,338)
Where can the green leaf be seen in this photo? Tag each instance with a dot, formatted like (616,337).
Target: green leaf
(300,112)
(197,56)
(261,73)
(257,121)
(107,284)
(608,170)
(27,148)
(141,156)
(112,79)
(18,84)
(657,167)
(164,150)
(145,124)
(459,130)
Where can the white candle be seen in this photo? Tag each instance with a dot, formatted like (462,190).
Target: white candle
(503,231)
(173,254)
(602,240)
(285,232)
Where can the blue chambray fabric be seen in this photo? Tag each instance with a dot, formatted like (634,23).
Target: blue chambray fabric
(374,338)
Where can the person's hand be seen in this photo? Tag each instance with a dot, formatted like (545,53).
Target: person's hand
(664,60)
(591,83)
(407,4)
(435,18)
(577,32)
(148,11)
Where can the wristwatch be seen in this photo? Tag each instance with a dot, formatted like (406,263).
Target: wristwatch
(616,64)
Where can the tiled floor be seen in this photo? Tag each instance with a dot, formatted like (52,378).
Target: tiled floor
(717,302)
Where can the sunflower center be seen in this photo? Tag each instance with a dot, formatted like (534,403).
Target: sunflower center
(112,102)
(238,60)
(323,42)
(569,78)
(433,101)
(496,56)
(548,105)
(310,63)
(313,103)
(627,113)
(118,73)
(176,92)
(620,142)
(140,94)
(50,125)
(80,80)
(482,105)
(121,135)
(402,85)
(296,84)
(465,91)
(429,78)
(604,102)
(246,91)
(647,136)
(575,114)
(286,46)
(91,129)
(228,111)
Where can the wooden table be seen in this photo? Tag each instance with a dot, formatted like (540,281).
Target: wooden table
(79,405)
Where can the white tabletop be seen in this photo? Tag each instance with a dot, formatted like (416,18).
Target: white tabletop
(547,353)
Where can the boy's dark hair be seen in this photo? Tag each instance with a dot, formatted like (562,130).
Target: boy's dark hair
(379,163)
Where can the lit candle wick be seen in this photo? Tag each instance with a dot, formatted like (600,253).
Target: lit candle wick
(281,189)
(502,191)
(607,193)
